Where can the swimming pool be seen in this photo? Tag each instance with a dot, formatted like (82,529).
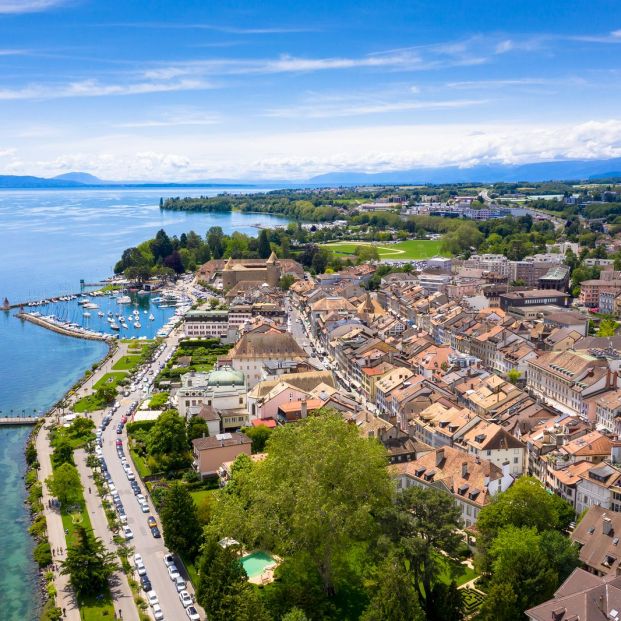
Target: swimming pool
(256,563)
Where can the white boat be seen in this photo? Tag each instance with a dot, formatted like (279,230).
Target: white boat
(114,326)
(91,305)
(100,314)
(86,314)
(123,299)
(151,317)
(137,325)
(144,311)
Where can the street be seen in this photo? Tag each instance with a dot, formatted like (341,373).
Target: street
(151,549)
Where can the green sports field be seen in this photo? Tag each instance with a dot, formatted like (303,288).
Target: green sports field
(412,249)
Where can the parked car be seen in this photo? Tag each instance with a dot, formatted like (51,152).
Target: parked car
(186,599)
(128,532)
(180,583)
(173,572)
(157,612)
(145,583)
(169,560)
(151,521)
(155,531)
(192,613)
(152,598)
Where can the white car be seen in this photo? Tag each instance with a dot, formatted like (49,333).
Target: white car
(192,613)
(186,599)
(157,612)
(141,499)
(144,507)
(131,476)
(173,572)
(127,531)
(169,560)
(152,598)
(140,568)
(179,583)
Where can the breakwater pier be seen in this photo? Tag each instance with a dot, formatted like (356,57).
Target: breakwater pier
(65,328)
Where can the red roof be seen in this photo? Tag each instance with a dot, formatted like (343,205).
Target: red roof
(268,422)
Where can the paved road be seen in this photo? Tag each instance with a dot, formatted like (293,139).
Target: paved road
(152,550)
(298,332)
(119,587)
(65,597)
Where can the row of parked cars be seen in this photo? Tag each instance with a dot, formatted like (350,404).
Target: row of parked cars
(175,576)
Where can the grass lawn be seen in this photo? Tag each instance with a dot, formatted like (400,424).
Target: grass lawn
(201,494)
(127,363)
(72,520)
(411,249)
(88,404)
(97,609)
(469,574)
(110,379)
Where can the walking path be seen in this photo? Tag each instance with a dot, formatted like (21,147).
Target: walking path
(119,586)
(65,597)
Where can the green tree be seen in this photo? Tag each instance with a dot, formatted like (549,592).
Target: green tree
(65,484)
(500,604)
(295,614)
(513,375)
(525,503)
(197,428)
(286,281)
(394,598)
(518,560)
(168,436)
(181,527)
(215,242)
(607,327)
(259,436)
(161,246)
(425,526)
(366,252)
(106,394)
(264,249)
(88,564)
(315,495)
(63,451)
(223,588)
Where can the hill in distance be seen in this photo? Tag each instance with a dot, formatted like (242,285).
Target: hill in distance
(558,170)
(540,171)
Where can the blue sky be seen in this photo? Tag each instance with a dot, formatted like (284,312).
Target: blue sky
(209,89)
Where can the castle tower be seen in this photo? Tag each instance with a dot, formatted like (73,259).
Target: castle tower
(273,270)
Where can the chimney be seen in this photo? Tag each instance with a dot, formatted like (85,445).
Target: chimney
(606,526)
(439,456)
(486,481)
(464,469)
(304,409)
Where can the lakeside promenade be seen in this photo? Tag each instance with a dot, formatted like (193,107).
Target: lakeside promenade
(65,597)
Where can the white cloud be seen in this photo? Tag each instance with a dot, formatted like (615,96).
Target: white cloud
(94,88)
(28,6)
(195,154)
(347,109)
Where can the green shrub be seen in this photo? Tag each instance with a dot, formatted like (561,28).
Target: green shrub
(38,527)
(42,554)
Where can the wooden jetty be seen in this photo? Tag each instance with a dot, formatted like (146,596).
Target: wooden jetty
(14,421)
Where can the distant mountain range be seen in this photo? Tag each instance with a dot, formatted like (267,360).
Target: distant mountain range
(541,171)
(559,170)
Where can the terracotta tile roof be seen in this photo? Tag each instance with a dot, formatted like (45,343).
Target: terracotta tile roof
(462,474)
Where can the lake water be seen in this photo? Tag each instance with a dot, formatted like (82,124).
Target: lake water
(49,240)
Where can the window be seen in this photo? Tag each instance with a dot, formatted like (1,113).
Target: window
(515,460)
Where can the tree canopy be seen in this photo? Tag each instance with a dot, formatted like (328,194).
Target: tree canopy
(180,524)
